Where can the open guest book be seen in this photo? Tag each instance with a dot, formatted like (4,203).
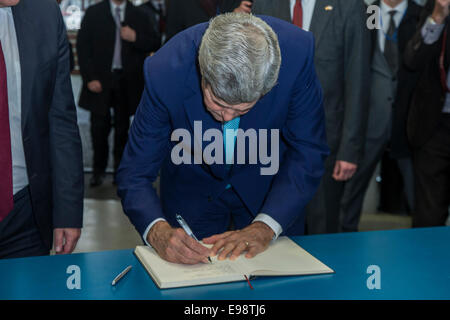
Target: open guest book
(283,258)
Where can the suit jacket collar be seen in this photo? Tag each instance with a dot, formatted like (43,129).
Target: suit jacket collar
(152,7)
(321,17)
(113,5)
(410,19)
(26,45)
(196,111)
(128,8)
(128,11)
(412,12)
(283,10)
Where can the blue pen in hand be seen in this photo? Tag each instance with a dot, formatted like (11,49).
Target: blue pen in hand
(188,230)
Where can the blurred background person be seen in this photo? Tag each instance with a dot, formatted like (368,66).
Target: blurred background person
(156,11)
(428,126)
(391,88)
(342,61)
(183,14)
(114,39)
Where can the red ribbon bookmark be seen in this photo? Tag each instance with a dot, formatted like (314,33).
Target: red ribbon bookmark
(248,282)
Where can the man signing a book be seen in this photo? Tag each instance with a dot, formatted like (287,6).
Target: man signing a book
(232,117)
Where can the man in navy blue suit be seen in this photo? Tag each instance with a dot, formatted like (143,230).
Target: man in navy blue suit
(41,171)
(210,90)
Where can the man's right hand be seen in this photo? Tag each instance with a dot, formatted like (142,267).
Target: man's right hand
(174,245)
(441,11)
(95,86)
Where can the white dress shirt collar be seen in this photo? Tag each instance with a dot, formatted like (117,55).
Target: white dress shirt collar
(4,12)
(385,18)
(400,8)
(157,3)
(122,7)
(308,11)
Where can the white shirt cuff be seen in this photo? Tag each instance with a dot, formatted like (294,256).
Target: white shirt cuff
(148,230)
(431,32)
(275,226)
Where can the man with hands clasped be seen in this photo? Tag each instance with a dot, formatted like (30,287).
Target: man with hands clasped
(114,39)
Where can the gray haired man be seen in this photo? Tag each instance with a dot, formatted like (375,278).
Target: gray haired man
(237,73)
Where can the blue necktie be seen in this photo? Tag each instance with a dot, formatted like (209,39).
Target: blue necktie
(229,140)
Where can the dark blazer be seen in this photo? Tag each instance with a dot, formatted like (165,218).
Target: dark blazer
(429,96)
(153,16)
(183,14)
(175,100)
(95,47)
(50,133)
(406,79)
(342,61)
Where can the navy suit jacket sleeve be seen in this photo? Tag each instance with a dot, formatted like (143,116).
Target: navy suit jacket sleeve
(303,166)
(65,143)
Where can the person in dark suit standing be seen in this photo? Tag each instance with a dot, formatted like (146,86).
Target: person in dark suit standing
(156,11)
(41,169)
(428,125)
(114,39)
(183,14)
(342,61)
(391,89)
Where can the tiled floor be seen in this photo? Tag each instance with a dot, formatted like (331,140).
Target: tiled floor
(106,227)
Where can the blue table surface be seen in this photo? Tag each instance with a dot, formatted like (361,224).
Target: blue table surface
(414,264)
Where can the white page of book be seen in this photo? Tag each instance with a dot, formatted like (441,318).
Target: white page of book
(283,257)
(171,274)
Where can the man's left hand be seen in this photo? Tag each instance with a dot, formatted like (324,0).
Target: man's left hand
(245,7)
(65,239)
(128,34)
(343,170)
(253,239)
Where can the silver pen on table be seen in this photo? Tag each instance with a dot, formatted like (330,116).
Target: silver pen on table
(188,230)
(124,272)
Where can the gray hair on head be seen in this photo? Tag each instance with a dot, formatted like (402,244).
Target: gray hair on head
(239,58)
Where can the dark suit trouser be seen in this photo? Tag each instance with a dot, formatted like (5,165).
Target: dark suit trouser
(355,188)
(101,127)
(322,212)
(432,171)
(19,235)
